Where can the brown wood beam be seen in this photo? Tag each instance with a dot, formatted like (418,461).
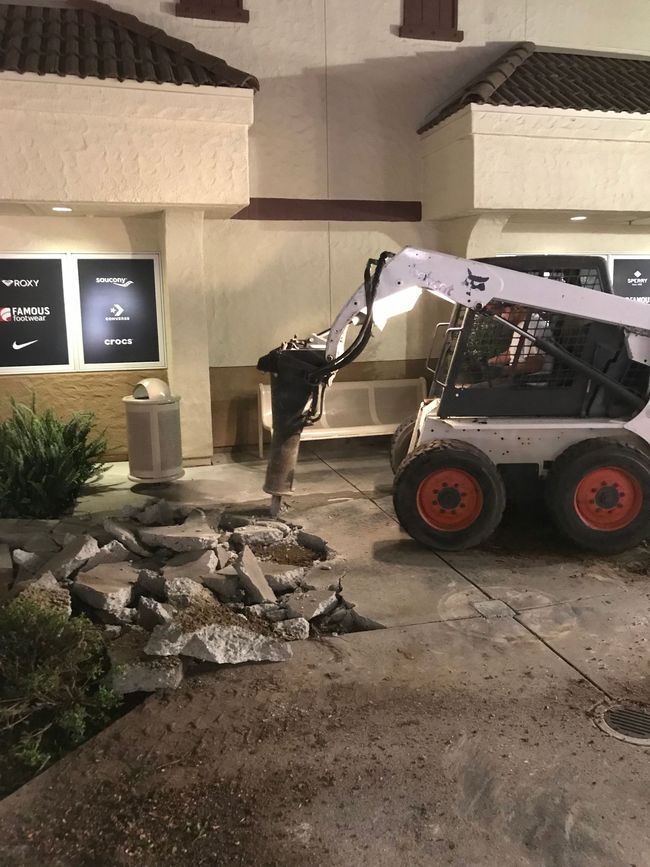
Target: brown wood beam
(332,210)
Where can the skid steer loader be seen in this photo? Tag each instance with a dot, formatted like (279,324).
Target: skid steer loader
(543,377)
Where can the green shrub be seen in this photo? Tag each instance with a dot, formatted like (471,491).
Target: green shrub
(52,694)
(45,462)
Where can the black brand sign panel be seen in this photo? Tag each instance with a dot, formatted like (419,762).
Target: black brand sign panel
(632,278)
(32,313)
(119,321)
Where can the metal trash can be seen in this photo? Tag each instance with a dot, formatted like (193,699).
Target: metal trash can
(153,422)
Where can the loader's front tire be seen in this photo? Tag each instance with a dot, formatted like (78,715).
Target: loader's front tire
(448,495)
(399,444)
(598,495)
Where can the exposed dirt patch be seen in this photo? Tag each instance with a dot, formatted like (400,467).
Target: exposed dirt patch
(286,552)
(205,612)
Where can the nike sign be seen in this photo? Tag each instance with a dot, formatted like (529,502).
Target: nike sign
(23,345)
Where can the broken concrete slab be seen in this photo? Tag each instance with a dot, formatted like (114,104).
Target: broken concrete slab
(212,517)
(224,555)
(46,592)
(257,534)
(71,558)
(225,587)
(228,639)
(112,552)
(267,611)
(234,645)
(195,534)
(178,591)
(279,525)
(152,613)
(192,566)
(159,512)
(252,578)
(121,531)
(151,583)
(109,587)
(29,563)
(314,603)
(295,629)
(125,617)
(134,671)
(283,578)
(181,592)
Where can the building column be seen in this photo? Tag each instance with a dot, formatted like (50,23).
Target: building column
(187,329)
(472,237)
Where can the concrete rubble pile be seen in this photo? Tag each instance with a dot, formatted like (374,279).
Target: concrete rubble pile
(173,586)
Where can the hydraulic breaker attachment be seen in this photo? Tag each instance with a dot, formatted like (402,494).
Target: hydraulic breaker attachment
(295,398)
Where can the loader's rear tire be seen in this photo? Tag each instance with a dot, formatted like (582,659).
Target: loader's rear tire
(448,495)
(598,495)
(399,444)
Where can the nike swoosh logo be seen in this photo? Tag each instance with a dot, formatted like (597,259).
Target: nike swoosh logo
(23,345)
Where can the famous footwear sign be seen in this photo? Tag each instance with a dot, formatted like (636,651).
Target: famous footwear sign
(24,314)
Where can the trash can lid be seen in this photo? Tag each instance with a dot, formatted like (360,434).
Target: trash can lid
(151,389)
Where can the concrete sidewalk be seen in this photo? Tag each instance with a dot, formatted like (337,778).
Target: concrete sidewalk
(452,736)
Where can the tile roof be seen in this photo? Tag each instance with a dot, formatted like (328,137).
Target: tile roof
(88,39)
(530,76)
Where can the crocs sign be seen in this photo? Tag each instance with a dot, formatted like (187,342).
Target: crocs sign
(119,311)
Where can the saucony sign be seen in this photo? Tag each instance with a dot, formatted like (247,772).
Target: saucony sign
(116,281)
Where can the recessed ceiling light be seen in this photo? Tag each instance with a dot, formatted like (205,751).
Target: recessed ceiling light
(61,210)
(577,219)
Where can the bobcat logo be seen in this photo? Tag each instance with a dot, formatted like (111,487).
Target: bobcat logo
(475,282)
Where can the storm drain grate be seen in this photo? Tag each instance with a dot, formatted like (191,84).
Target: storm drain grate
(627,721)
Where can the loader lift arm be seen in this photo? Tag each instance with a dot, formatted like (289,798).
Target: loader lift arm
(302,369)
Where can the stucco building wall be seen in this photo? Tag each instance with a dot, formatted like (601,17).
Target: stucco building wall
(510,159)
(123,143)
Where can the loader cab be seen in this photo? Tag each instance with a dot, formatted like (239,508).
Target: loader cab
(484,370)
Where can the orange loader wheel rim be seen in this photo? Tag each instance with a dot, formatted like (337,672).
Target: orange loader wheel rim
(449,500)
(608,499)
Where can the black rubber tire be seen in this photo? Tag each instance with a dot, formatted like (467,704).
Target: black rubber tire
(565,475)
(400,441)
(438,455)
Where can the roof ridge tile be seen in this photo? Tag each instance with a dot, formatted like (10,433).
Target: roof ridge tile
(528,76)
(88,38)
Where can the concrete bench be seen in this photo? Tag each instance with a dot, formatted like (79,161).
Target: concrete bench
(354,409)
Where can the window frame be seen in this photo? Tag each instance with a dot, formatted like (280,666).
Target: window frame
(213,10)
(435,20)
